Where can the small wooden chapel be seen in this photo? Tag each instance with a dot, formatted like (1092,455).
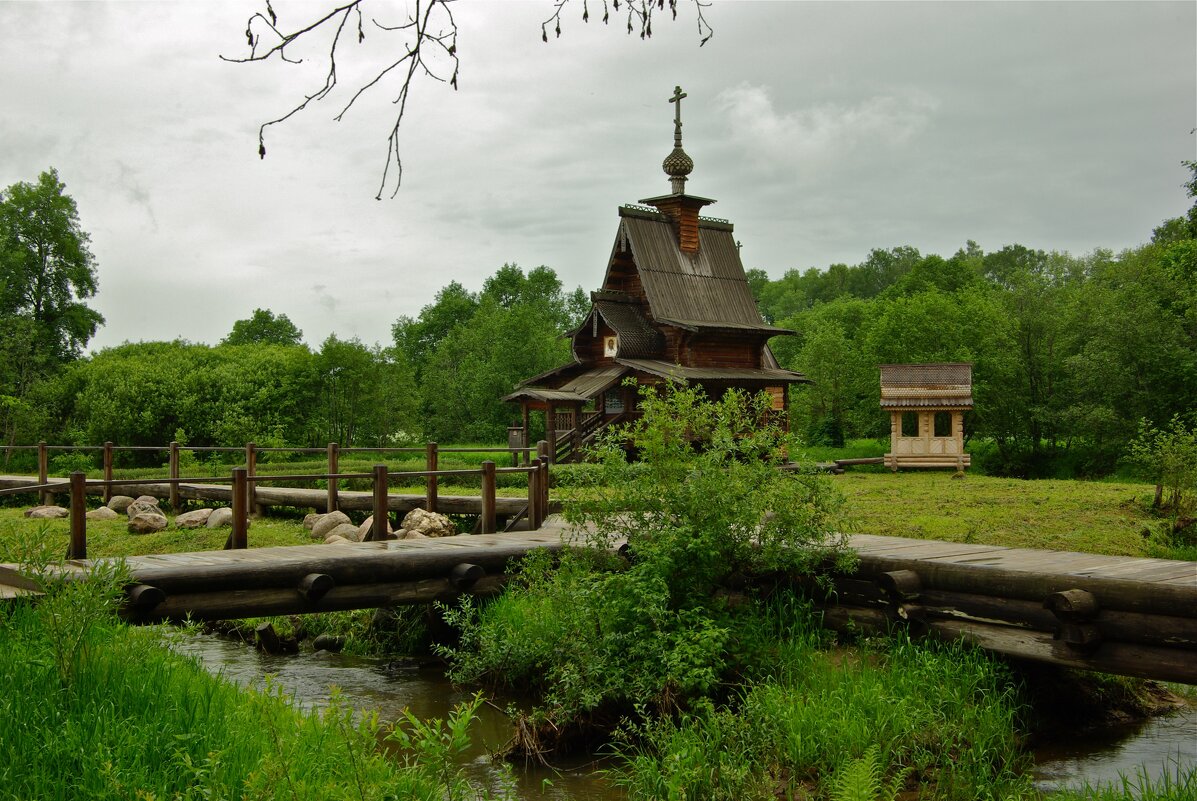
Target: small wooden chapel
(926,405)
(675,305)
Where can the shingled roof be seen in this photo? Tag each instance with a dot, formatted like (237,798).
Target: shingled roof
(637,338)
(704,290)
(932,385)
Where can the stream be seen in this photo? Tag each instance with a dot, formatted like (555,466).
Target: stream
(1157,745)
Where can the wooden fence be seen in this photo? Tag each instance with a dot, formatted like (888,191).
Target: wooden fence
(243,482)
(333,451)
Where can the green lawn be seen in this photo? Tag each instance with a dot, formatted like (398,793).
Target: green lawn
(111,537)
(1096,517)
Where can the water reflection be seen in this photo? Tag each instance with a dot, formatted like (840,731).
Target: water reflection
(1158,746)
(370,684)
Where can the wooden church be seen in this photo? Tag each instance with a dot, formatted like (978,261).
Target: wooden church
(675,305)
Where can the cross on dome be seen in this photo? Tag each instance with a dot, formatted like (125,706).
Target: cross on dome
(677,164)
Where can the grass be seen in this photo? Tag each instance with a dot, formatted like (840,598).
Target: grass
(1176,782)
(939,719)
(112,538)
(92,709)
(1095,517)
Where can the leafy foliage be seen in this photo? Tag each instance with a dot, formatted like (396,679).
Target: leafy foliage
(265,328)
(1168,457)
(46,273)
(705,507)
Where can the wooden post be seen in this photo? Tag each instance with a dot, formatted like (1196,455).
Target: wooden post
(251,468)
(107,471)
(488,498)
(430,466)
(525,440)
(577,435)
(175,503)
(533,500)
(78,546)
(542,483)
(550,429)
(238,539)
(43,471)
(378,531)
(334,455)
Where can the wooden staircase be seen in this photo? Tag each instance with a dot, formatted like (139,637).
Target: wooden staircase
(572,443)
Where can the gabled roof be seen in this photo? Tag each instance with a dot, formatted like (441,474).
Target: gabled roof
(636,336)
(706,290)
(932,385)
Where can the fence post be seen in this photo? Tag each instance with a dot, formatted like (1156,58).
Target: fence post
(43,471)
(108,471)
(533,500)
(238,538)
(251,467)
(173,461)
(488,498)
(334,454)
(78,547)
(550,417)
(431,462)
(378,531)
(542,484)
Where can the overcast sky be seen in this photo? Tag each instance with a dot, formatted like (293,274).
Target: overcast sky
(823,130)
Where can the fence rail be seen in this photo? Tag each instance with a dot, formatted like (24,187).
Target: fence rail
(251,450)
(244,482)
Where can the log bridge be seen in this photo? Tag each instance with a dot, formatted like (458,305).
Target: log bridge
(1123,615)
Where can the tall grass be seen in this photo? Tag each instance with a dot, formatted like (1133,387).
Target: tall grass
(942,719)
(1177,782)
(92,709)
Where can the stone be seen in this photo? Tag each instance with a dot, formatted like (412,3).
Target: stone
(411,534)
(221,517)
(119,503)
(310,520)
(335,540)
(329,642)
(146,523)
(348,531)
(322,527)
(47,512)
(142,507)
(196,518)
(103,513)
(430,524)
(364,528)
(150,499)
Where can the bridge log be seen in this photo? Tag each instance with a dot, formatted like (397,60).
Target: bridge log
(1112,593)
(1126,659)
(315,586)
(381,563)
(268,602)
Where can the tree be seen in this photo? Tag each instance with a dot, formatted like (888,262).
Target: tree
(368,394)
(425,44)
(479,362)
(46,265)
(46,272)
(264,328)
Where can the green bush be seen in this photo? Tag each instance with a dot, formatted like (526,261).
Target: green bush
(600,636)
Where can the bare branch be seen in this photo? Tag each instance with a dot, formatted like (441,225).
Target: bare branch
(428,36)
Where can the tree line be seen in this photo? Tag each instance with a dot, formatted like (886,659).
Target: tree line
(1070,353)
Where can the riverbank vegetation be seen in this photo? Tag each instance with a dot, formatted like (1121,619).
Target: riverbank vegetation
(90,708)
